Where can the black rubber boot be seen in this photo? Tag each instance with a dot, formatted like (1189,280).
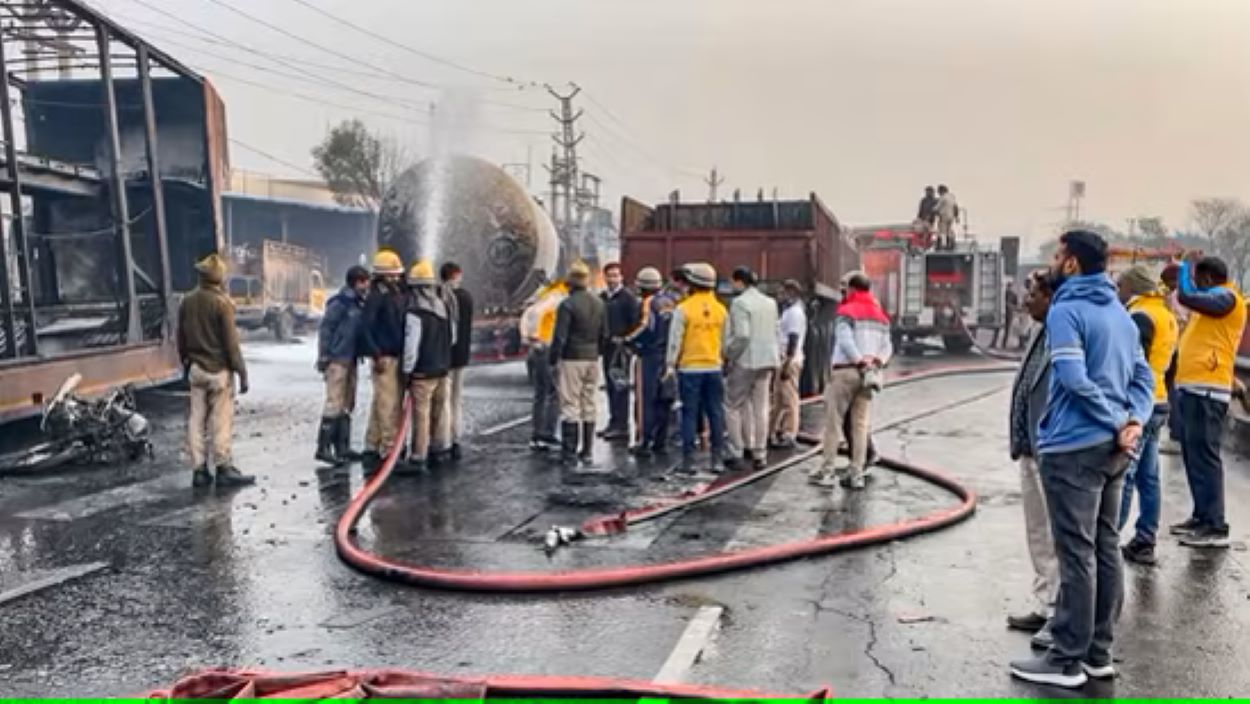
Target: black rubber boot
(201,478)
(229,475)
(587,454)
(568,443)
(343,440)
(325,441)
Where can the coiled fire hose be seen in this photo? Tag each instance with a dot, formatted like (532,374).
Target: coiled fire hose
(634,575)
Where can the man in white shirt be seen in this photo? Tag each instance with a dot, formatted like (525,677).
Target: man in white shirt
(792,332)
(947,216)
(751,356)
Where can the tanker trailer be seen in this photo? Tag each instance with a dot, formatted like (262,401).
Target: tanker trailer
(469,211)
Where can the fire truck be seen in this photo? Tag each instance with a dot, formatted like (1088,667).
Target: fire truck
(929,292)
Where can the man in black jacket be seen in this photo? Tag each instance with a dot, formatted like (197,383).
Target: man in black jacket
(580,336)
(382,340)
(461,349)
(623,314)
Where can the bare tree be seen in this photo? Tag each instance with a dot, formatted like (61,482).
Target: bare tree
(359,164)
(1225,223)
(1152,229)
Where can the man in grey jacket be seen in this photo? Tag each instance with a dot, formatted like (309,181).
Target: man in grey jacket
(1028,403)
(751,355)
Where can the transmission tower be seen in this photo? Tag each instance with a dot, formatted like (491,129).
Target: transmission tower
(713,181)
(564,171)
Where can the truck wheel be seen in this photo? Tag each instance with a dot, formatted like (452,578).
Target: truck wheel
(957,344)
(284,326)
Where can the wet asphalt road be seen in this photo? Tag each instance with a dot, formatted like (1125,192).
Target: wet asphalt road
(134,580)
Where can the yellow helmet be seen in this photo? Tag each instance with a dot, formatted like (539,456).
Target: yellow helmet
(212,268)
(387,262)
(422,273)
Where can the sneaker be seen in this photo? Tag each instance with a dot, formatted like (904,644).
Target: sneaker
(856,482)
(1041,671)
(229,475)
(537,445)
(1099,670)
(1184,527)
(1139,551)
(818,471)
(1030,622)
(759,463)
(456,453)
(687,465)
(825,480)
(1044,638)
(642,452)
(781,443)
(201,478)
(1206,538)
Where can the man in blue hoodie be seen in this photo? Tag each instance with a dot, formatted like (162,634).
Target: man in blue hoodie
(1101,396)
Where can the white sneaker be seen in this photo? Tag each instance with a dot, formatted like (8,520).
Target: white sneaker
(819,471)
(1099,672)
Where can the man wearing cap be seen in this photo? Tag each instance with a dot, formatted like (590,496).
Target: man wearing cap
(695,342)
(650,340)
(426,363)
(1158,330)
(462,348)
(751,355)
(792,333)
(623,314)
(861,349)
(337,354)
(382,340)
(208,346)
(580,336)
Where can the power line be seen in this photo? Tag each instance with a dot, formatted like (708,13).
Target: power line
(276,160)
(632,144)
(412,50)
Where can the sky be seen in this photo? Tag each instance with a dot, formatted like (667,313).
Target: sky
(863,102)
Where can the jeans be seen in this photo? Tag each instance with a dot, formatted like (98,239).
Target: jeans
(702,393)
(546,408)
(1083,491)
(1144,476)
(655,411)
(1202,428)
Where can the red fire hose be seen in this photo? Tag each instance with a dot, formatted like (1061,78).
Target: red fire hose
(633,575)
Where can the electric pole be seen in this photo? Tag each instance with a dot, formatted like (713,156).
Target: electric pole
(713,181)
(564,171)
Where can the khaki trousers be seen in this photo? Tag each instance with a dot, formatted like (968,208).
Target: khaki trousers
(1041,544)
(746,410)
(429,400)
(845,394)
(455,414)
(577,381)
(784,418)
(340,381)
(387,405)
(212,416)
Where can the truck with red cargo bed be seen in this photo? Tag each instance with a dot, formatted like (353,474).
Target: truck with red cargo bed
(779,240)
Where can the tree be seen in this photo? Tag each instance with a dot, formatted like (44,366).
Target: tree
(1225,223)
(358,164)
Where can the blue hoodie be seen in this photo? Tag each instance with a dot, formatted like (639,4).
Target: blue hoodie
(1099,376)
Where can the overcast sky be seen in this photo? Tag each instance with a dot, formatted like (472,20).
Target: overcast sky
(862,101)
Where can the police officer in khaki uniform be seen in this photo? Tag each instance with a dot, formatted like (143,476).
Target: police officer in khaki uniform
(208,345)
(580,337)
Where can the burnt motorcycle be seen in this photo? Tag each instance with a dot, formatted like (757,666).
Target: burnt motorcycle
(80,431)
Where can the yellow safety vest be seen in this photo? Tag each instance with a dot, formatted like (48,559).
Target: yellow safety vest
(1208,348)
(705,324)
(1166,331)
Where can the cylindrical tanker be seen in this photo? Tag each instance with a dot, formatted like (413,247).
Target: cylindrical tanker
(469,211)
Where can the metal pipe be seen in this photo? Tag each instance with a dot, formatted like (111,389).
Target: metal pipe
(154,175)
(121,215)
(22,251)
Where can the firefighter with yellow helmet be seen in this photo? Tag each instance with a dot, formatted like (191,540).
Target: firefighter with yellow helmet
(426,364)
(538,326)
(382,341)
